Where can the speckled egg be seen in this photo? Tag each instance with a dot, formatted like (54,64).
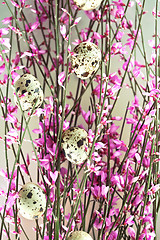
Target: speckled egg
(32,201)
(75,145)
(29,91)
(79,235)
(86,59)
(87,4)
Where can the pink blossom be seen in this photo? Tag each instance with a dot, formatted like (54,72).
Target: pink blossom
(119,35)
(118,181)
(46,72)
(97,36)
(104,191)
(129,221)
(117,48)
(77,20)
(2,68)
(5,175)
(12,137)
(54,176)
(3,31)
(129,64)
(113,235)
(16,30)
(61,78)
(132,233)
(99,145)
(11,118)
(89,119)
(154,13)
(63,30)
(153,189)
(23,168)
(137,200)
(7,20)
(6,42)
(15,4)
(98,223)
(11,199)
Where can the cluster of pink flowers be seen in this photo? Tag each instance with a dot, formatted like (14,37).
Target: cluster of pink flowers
(111,194)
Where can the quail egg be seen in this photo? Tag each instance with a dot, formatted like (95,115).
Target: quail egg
(32,201)
(85,59)
(75,145)
(29,91)
(87,4)
(79,235)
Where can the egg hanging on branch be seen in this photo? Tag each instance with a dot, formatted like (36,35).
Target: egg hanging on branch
(85,59)
(30,92)
(75,145)
(32,201)
(79,235)
(87,5)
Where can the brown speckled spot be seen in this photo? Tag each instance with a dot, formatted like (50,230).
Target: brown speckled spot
(27,82)
(41,209)
(29,195)
(23,91)
(89,48)
(80,143)
(85,74)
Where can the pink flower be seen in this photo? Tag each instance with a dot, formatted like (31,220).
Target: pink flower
(12,137)
(63,32)
(7,20)
(129,221)
(128,65)
(15,4)
(154,13)
(89,119)
(132,233)
(117,48)
(5,176)
(119,35)
(11,199)
(77,20)
(118,181)
(61,78)
(153,189)
(3,31)
(2,68)
(113,235)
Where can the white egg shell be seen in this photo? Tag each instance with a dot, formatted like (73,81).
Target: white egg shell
(75,145)
(86,59)
(32,201)
(87,4)
(79,235)
(29,91)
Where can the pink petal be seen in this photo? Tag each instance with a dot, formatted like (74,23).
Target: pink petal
(77,20)
(54,176)
(15,4)
(61,78)
(46,71)
(34,26)
(2,68)
(131,233)
(46,180)
(63,30)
